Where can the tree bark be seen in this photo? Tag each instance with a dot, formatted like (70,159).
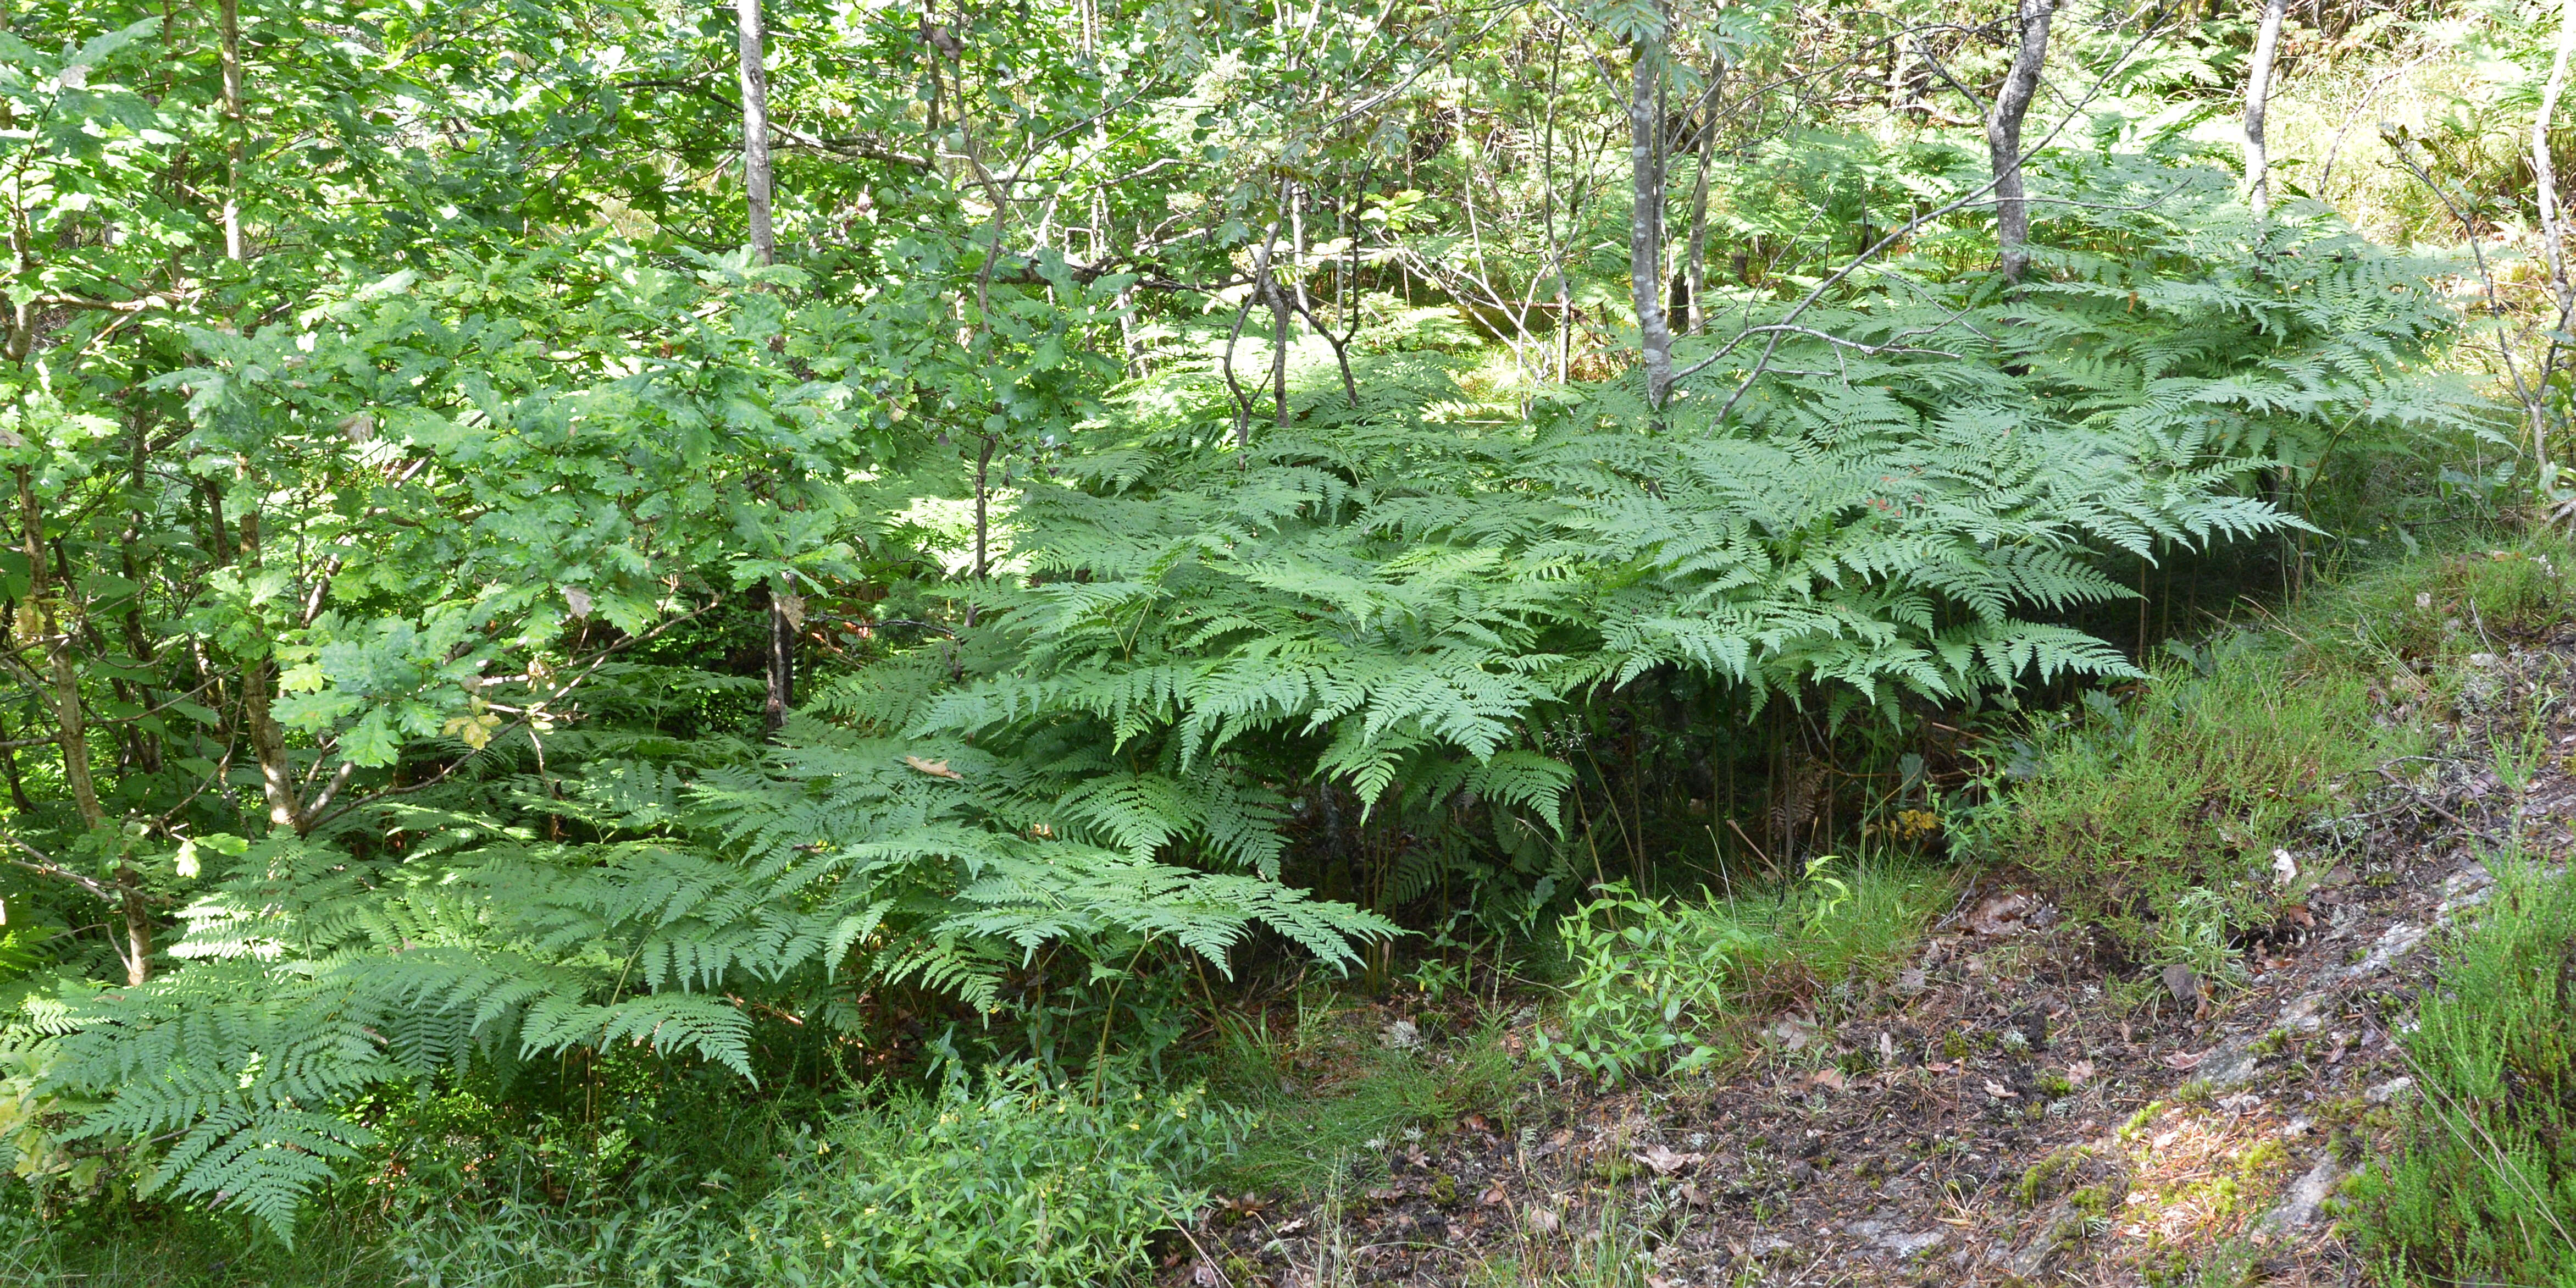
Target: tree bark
(228,17)
(2003,137)
(61,688)
(1646,220)
(755,130)
(61,692)
(780,674)
(1279,311)
(2258,93)
(1696,267)
(2553,234)
(259,693)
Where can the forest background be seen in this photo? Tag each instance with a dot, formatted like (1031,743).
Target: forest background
(603,592)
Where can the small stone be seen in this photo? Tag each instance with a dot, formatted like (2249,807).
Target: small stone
(2184,983)
(2395,942)
(2389,1090)
(2306,1194)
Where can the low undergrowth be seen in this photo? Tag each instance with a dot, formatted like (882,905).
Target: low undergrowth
(1009,1177)
(2187,788)
(1655,983)
(2484,1189)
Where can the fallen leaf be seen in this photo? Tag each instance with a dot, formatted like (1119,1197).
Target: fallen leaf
(2079,1073)
(1493,1196)
(1830,1077)
(934,768)
(2183,1060)
(2001,1092)
(1664,1160)
(2002,913)
(1544,1221)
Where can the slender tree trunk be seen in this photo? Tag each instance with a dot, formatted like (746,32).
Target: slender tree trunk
(1899,69)
(1696,269)
(755,130)
(2003,137)
(2553,245)
(1278,351)
(1279,309)
(1646,220)
(17,786)
(754,76)
(228,16)
(61,691)
(259,693)
(268,742)
(1260,290)
(2258,93)
(1547,214)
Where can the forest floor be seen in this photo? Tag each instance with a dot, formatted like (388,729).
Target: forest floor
(2012,1106)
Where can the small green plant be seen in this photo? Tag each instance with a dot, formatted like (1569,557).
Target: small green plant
(2519,755)
(2193,933)
(1653,981)
(1650,979)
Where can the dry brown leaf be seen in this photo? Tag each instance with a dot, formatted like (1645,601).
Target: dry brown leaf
(2002,913)
(1664,1161)
(2001,1092)
(934,768)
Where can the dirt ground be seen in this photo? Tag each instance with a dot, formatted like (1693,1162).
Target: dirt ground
(2003,1111)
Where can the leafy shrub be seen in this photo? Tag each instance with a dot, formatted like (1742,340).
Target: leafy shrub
(1654,980)
(1012,1180)
(1651,976)
(2484,1188)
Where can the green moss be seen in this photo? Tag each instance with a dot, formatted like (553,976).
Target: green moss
(2047,1178)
